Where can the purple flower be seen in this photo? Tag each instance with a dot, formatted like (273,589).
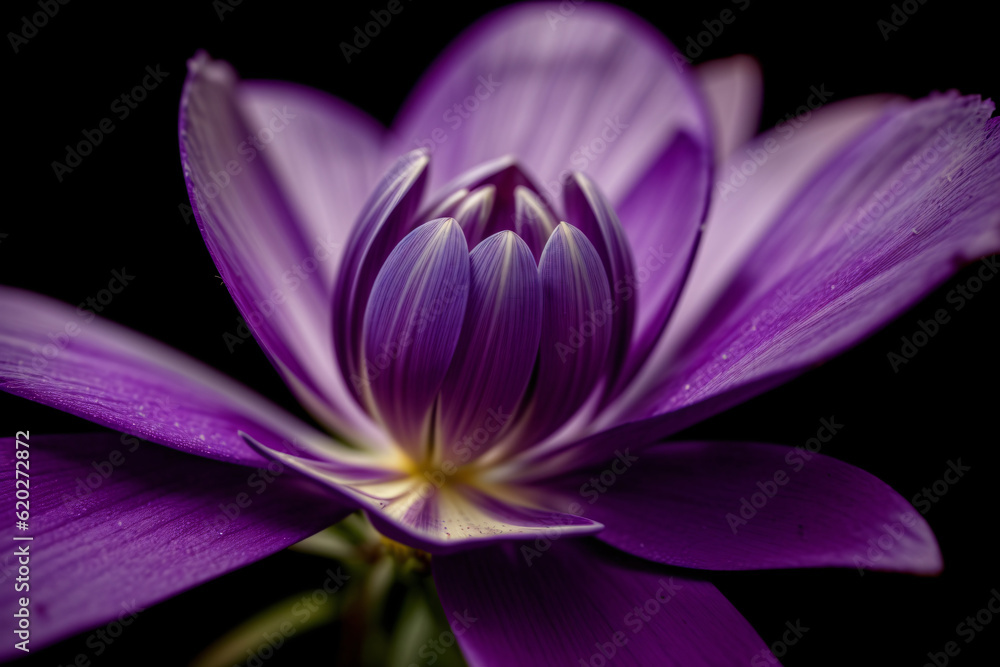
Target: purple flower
(484,306)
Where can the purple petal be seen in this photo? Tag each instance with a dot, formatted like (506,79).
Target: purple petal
(776,321)
(738,219)
(265,252)
(533,221)
(386,218)
(120,379)
(826,275)
(119,525)
(498,346)
(327,159)
(662,216)
(576,309)
(473,214)
(593,215)
(733,89)
(514,203)
(503,173)
(411,327)
(576,597)
(744,206)
(462,518)
(599,87)
(738,506)
(433,510)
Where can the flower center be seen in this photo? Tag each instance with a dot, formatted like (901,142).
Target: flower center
(438,470)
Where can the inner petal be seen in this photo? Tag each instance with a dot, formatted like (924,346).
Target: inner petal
(494,197)
(575,336)
(474,212)
(593,215)
(496,351)
(411,327)
(385,219)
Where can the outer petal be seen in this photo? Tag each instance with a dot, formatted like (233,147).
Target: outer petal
(544,85)
(411,328)
(123,380)
(386,218)
(733,90)
(252,230)
(662,216)
(563,605)
(738,219)
(326,159)
(433,511)
(147,527)
(824,276)
(744,207)
(737,506)
(498,346)
(827,274)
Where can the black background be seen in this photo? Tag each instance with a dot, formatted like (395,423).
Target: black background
(120,208)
